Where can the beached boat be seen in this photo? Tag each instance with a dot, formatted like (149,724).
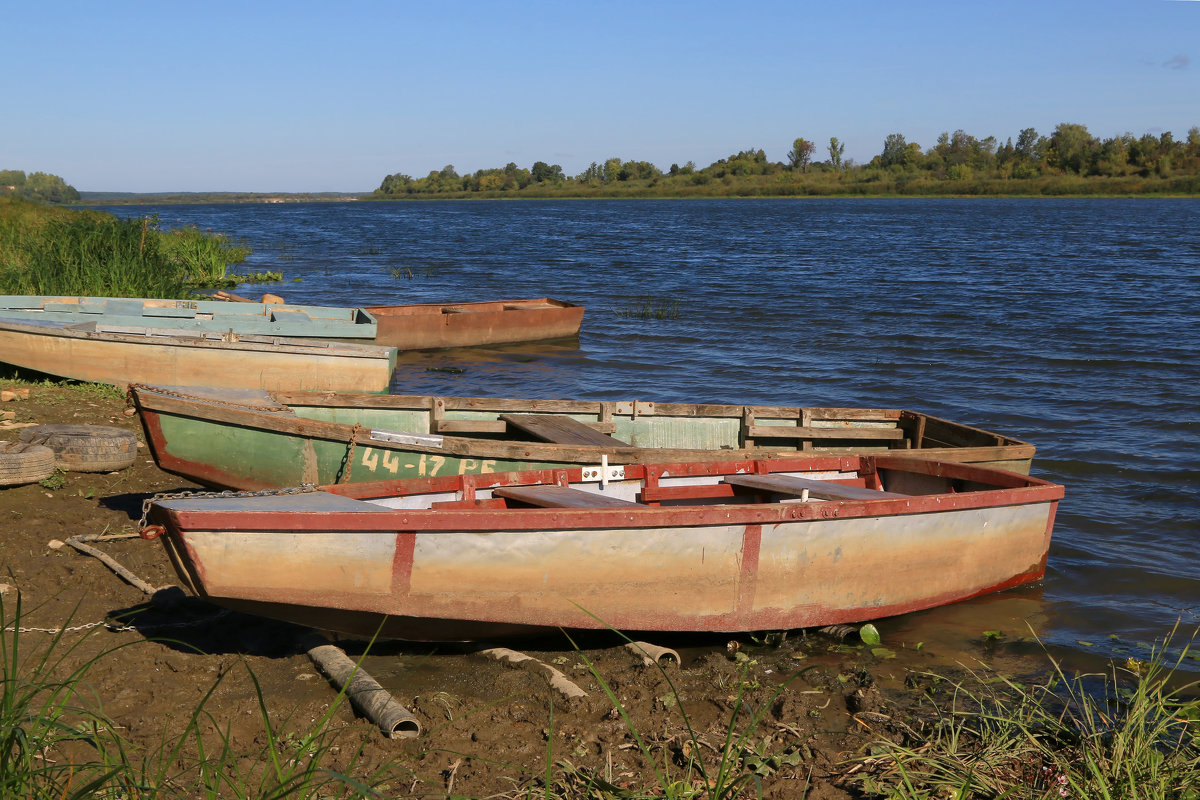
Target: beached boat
(703,546)
(121,355)
(261,440)
(436,325)
(209,316)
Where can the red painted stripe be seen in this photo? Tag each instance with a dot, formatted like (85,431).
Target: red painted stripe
(748,573)
(402,564)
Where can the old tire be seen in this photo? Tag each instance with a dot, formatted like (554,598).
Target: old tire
(85,448)
(22,462)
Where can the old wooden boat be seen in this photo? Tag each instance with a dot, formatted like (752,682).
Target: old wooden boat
(209,316)
(437,325)
(702,546)
(260,440)
(121,355)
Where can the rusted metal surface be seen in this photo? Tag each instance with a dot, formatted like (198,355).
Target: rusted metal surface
(710,564)
(432,326)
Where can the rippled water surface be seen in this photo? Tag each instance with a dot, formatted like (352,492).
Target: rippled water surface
(1072,324)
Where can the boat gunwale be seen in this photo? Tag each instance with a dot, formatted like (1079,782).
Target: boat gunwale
(169,337)
(1009,489)
(267,418)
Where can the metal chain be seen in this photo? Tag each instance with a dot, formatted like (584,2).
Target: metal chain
(116,627)
(188,493)
(220,401)
(350,452)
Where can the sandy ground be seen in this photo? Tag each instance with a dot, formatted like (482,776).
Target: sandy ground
(805,707)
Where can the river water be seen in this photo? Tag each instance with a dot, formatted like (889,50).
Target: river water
(1072,324)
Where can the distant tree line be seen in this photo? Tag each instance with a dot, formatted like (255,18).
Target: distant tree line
(36,186)
(1068,161)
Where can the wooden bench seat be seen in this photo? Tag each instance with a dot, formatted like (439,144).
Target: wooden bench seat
(561,497)
(788,432)
(560,429)
(817,490)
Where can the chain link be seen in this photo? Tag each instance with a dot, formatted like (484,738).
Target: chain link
(117,627)
(350,452)
(220,401)
(189,493)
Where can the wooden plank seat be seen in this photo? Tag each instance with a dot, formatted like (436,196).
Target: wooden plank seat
(788,432)
(560,497)
(817,490)
(560,429)
(471,426)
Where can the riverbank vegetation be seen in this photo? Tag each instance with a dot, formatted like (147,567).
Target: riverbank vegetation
(1133,735)
(46,250)
(1068,162)
(36,186)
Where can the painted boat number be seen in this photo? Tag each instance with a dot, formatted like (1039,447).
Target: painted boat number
(426,465)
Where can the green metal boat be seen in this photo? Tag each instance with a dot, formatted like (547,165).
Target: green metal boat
(207,316)
(250,439)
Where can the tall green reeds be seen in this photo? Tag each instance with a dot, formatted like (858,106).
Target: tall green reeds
(63,252)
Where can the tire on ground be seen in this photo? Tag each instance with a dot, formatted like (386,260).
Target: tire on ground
(22,462)
(85,448)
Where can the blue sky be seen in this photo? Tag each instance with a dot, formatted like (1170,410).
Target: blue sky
(332,96)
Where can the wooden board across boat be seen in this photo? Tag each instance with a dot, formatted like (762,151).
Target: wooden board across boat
(744,545)
(121,355)
(263,440)
(209,316)
(431,326)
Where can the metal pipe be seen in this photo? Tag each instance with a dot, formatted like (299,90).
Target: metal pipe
(366,695)
(652,653)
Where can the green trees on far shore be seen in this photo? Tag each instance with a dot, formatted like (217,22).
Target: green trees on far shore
(36,186)
(1068,161)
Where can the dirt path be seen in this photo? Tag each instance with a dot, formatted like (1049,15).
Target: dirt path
(488,728)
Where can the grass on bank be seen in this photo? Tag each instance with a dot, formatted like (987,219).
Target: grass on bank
(1129,736)
(57,251)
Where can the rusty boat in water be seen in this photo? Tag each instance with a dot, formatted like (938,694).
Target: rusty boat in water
(432,326)
(743,545)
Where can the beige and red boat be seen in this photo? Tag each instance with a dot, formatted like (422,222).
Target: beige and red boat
(438,325)
(122,354)
(699,546)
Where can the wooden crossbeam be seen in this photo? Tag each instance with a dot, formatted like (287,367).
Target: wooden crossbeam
(817,490)
(560,497)
(560,429)
(788,432)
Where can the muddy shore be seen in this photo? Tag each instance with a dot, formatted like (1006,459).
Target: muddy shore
(801,707)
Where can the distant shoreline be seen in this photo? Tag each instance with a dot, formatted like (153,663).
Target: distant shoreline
(89,199)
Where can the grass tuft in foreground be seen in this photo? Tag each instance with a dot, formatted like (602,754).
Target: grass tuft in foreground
(1131,734)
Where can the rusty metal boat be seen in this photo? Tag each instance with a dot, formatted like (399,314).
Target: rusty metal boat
(429,326)
(741,545)
(262,440)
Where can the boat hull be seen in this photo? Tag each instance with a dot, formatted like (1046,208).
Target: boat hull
(210,316)
(435,326)
(450,574)
(146,355)
(260,441)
